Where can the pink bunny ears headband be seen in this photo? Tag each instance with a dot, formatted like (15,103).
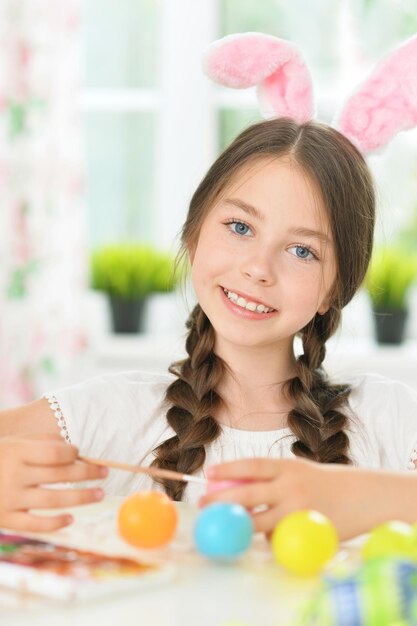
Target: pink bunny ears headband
(385,104)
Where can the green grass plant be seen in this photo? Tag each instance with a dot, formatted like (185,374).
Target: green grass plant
(391,273)
(132,271)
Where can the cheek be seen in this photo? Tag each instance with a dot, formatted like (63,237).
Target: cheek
(212,258)
(196,278)
(304,283)
(303,294)
(296,318)
(202,271)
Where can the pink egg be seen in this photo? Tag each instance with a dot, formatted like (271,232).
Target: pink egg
(218,485)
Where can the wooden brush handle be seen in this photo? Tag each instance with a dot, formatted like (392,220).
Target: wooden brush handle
(138,469)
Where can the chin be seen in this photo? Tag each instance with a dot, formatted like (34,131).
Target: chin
(245,338)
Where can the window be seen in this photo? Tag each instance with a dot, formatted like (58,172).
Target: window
(120,103)
(148,116)
(154,123)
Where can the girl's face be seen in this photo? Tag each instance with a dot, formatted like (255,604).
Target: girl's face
(264,262)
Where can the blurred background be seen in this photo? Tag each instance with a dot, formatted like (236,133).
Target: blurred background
(107,124)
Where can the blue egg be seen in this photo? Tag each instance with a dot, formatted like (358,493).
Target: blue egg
(223,531)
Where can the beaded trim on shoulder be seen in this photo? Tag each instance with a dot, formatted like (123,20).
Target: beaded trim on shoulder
(413,458)
(54,404)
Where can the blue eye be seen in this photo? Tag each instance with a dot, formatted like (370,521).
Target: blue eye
(304,253)
(239,228)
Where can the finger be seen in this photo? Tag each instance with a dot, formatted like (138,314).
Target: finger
(41,437)
(265,521)
(73,473)
(249,495)
(27,522)
(44,498)
(48,453)
(259,468)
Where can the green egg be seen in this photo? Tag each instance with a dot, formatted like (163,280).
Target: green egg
(391,539)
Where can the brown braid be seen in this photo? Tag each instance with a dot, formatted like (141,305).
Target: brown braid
(193,399)
(316,419)
(342,179)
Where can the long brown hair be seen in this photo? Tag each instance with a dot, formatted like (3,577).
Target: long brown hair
(317,420)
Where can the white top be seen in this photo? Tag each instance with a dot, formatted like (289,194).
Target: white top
(121,417)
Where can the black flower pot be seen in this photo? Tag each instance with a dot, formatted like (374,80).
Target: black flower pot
(390,325)
(127,314)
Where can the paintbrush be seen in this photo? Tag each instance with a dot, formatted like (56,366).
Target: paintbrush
(151,471)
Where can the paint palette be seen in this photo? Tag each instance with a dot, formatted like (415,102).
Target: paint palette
(64,573)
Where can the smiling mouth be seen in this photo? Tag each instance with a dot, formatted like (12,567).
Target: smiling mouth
(247,304)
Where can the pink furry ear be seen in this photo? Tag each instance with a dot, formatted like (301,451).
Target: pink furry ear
(386,102)
(274,65)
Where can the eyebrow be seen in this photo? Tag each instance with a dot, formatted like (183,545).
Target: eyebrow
(256,213)
(248,208)
(308,232)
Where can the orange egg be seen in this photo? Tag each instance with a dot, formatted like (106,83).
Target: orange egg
(147,519)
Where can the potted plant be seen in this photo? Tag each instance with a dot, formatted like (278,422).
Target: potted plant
(391,273)
(129,273)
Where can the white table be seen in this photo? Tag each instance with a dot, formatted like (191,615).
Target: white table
(253,591)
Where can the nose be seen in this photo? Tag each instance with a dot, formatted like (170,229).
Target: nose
(259,268)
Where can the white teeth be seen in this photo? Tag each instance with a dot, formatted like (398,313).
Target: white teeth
(250,306)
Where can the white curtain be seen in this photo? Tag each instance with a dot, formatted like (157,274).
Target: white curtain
(42,229)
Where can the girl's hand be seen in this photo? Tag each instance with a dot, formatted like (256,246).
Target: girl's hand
(27,465)
(355,500)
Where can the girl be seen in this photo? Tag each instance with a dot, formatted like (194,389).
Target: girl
(279,235)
